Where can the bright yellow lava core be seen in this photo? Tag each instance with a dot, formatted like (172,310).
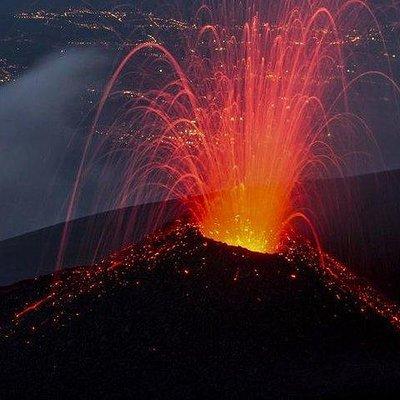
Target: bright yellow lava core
(246,217)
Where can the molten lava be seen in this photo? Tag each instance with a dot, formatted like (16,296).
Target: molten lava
(245,216)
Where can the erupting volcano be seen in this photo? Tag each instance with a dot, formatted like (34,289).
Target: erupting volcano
(219,142)
(254,105)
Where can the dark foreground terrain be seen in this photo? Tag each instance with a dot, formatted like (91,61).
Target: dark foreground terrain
(180,316)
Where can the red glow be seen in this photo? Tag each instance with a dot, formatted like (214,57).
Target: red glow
(127,267)
(270,119)
(33,307)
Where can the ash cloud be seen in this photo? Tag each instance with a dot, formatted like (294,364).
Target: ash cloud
(41,118)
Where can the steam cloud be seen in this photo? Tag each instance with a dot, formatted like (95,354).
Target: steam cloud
(40,117)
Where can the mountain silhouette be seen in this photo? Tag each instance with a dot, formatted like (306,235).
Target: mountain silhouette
(177,315)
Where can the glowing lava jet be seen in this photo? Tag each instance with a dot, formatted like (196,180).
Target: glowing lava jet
(240,122)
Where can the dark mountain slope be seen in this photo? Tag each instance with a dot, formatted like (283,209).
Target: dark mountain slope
(180,316)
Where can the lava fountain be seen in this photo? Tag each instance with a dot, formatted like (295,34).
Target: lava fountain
(237,124)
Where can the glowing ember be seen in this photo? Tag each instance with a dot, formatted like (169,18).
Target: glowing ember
(181,252)
(245,216)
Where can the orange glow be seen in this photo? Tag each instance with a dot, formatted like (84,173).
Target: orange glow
(245,216)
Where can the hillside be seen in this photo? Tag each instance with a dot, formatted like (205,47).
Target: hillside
(180,316)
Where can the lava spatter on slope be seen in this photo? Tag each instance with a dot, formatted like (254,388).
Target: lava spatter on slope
(179,310)
(181,252)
